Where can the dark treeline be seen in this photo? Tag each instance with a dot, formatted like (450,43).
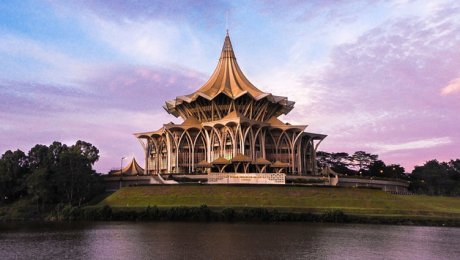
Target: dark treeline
(50,174)
(360,163)
(437,178)
(204,213)
(432,178)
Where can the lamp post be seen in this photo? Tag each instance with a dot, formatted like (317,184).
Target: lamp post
(121,165)
(121,170)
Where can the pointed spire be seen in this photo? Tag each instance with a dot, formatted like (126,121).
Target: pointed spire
(227,50)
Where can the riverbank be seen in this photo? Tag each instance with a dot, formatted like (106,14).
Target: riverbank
(289,198)
(264,203)
(296,203)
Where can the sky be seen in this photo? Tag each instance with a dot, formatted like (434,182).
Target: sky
(379,76)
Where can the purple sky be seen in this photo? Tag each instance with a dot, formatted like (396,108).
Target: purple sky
(380,76)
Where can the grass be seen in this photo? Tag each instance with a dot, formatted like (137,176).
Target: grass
(360,202)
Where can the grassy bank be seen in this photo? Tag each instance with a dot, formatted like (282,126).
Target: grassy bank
(285,203)
(257,203)
(360,202)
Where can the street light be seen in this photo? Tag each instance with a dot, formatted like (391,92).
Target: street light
(121,170)
(121,165)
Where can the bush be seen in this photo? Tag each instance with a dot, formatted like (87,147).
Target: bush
(150,213)
(256,214)
(228,214)
(336,216)
(101,213)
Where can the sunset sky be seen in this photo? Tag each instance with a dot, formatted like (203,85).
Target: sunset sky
(379,76)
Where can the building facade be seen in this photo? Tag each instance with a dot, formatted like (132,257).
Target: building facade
(229,125)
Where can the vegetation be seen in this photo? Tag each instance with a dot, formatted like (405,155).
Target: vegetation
(360,163)
(437,178)
(352,201)
(198,213)
(49,175)
(58,182)
(432,178)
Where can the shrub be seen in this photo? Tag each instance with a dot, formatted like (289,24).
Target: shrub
(150,213)
(336,216)
(228,214)
(256,214)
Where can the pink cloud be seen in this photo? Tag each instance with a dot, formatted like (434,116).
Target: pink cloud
(384,88)
(452,88)
(119,101)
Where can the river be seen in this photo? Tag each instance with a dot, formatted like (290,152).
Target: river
(170,240)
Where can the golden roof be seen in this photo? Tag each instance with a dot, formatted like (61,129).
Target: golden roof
(279,164)
(262,161)
(132,168)
(203,164)
(241,158)
(229,80)
(221,160)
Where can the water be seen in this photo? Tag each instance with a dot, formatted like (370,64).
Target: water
(169,240)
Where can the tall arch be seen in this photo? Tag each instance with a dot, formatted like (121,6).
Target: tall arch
(284,149)
(215,145)
(184,154)
(163,156)
(248,142)
(228,144)
(270,148)
(199,153)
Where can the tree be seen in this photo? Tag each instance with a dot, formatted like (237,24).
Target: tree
(361,160)
(38,156)
(76,180)
(87,150)
(338,162)
(41,187)
(379,169)
(436,178)
(63,174)
(13,171)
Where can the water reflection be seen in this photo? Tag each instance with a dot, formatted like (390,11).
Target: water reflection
(166,240)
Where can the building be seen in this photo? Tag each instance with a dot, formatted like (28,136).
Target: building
(132,169)
(229,125)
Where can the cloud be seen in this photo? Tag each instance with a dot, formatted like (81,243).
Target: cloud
(22,56)
(204,13)
(141,88)
(419,144)
(362,72)
(451,88)
(117,101)
(383,88)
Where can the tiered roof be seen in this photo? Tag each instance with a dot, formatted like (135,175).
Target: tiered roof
(228,79)
(132,168)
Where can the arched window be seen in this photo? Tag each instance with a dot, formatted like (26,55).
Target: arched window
(284,149)
(163,156)
(270,148)
(184,155)
(200,149)
(228,146)
(215,146)
(152,157)
(248,144)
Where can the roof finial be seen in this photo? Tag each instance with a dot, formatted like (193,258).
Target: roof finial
(226,22)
